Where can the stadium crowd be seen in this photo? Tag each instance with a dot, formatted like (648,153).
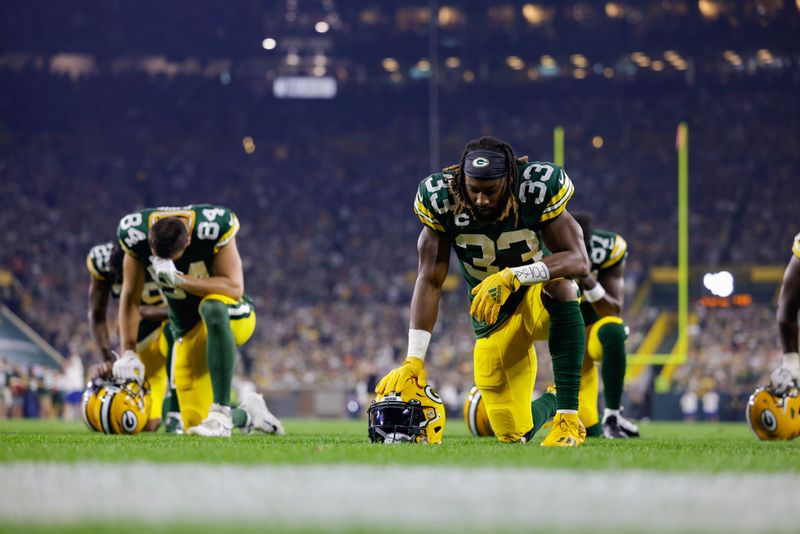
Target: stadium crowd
(328,235)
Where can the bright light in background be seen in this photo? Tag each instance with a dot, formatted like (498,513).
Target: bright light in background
(547,61)
(720,284)
(269,43)
(390,64)
(322,26)
(248,145)
(453,62)
(597,141)
(515,62)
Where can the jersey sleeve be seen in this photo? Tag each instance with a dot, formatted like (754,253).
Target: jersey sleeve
(132,235)
(425,204)
(796,246)
(544,190)
(220,223)
(560,190)
(618,253)
(97,261)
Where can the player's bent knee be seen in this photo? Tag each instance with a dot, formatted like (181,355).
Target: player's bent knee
(561,290)
(612,333)
(214,312)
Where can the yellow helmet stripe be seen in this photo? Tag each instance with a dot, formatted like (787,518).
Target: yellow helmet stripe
(105,410)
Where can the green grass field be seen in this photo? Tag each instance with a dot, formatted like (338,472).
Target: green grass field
(720,447)
(677,478)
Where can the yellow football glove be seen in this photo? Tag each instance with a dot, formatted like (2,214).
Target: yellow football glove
(491,294)
(396,380)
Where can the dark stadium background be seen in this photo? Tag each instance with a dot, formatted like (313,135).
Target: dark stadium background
(113,106)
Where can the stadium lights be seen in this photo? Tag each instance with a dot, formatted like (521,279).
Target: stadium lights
(579,74)
(533,73)
(469,76)
(657,65)
(534,14)
(547,61)
(452,62)
(597,142)
(390,64)
(614,10)
(322,27)
(424,65)
(319,70)
(579,60)
(292,59)
(720,284)
(515,62)
(248,145)
(608,72)
(269,43)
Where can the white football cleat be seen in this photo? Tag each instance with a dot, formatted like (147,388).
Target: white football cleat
(259,417)
(218,424)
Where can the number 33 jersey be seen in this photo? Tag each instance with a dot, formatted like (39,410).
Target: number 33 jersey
(211,228)
(486,248)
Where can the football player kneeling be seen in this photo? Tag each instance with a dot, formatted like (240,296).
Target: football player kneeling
(116,406)
(415,416)
(774,417)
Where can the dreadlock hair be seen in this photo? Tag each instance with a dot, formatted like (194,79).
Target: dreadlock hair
(458,187)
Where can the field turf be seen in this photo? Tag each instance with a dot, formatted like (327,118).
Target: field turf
(703,447)
(324,475)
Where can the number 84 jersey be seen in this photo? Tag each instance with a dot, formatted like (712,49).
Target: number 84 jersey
(211,228)
(484,249)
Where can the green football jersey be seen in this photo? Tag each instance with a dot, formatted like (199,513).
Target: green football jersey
(607,250)
(484,249)
(98,261)
(211,228)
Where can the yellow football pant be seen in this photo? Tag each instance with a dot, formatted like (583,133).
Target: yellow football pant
(590,377)
(190,368)
(155,368)
(505,367)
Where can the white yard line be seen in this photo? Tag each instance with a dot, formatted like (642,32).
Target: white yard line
(443,498)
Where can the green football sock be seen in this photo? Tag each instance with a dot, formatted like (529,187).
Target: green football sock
(220,349)
(567,344)
(612,338)
(543,409)
(594,431)
(239,417)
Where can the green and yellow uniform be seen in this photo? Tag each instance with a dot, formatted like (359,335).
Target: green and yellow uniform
(607,250)
(150,336)
(504,357)
(211,228)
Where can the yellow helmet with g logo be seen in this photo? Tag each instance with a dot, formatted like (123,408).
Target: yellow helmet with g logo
(416,416)
(116,407)
(773,417)
(475,414)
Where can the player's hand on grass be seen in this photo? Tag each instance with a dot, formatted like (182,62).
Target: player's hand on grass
(412,370)
(787,375)
(128,367)
(491,294)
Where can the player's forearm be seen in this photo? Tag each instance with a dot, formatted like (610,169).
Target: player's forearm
(425,304)
(567,264)
(787,326)
(99,330)
(154,313)
(608,304)
(214,285)
(128,323)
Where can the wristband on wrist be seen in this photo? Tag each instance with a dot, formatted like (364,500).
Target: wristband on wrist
(418,341)
(595,294)
(535,273)
(791,359)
